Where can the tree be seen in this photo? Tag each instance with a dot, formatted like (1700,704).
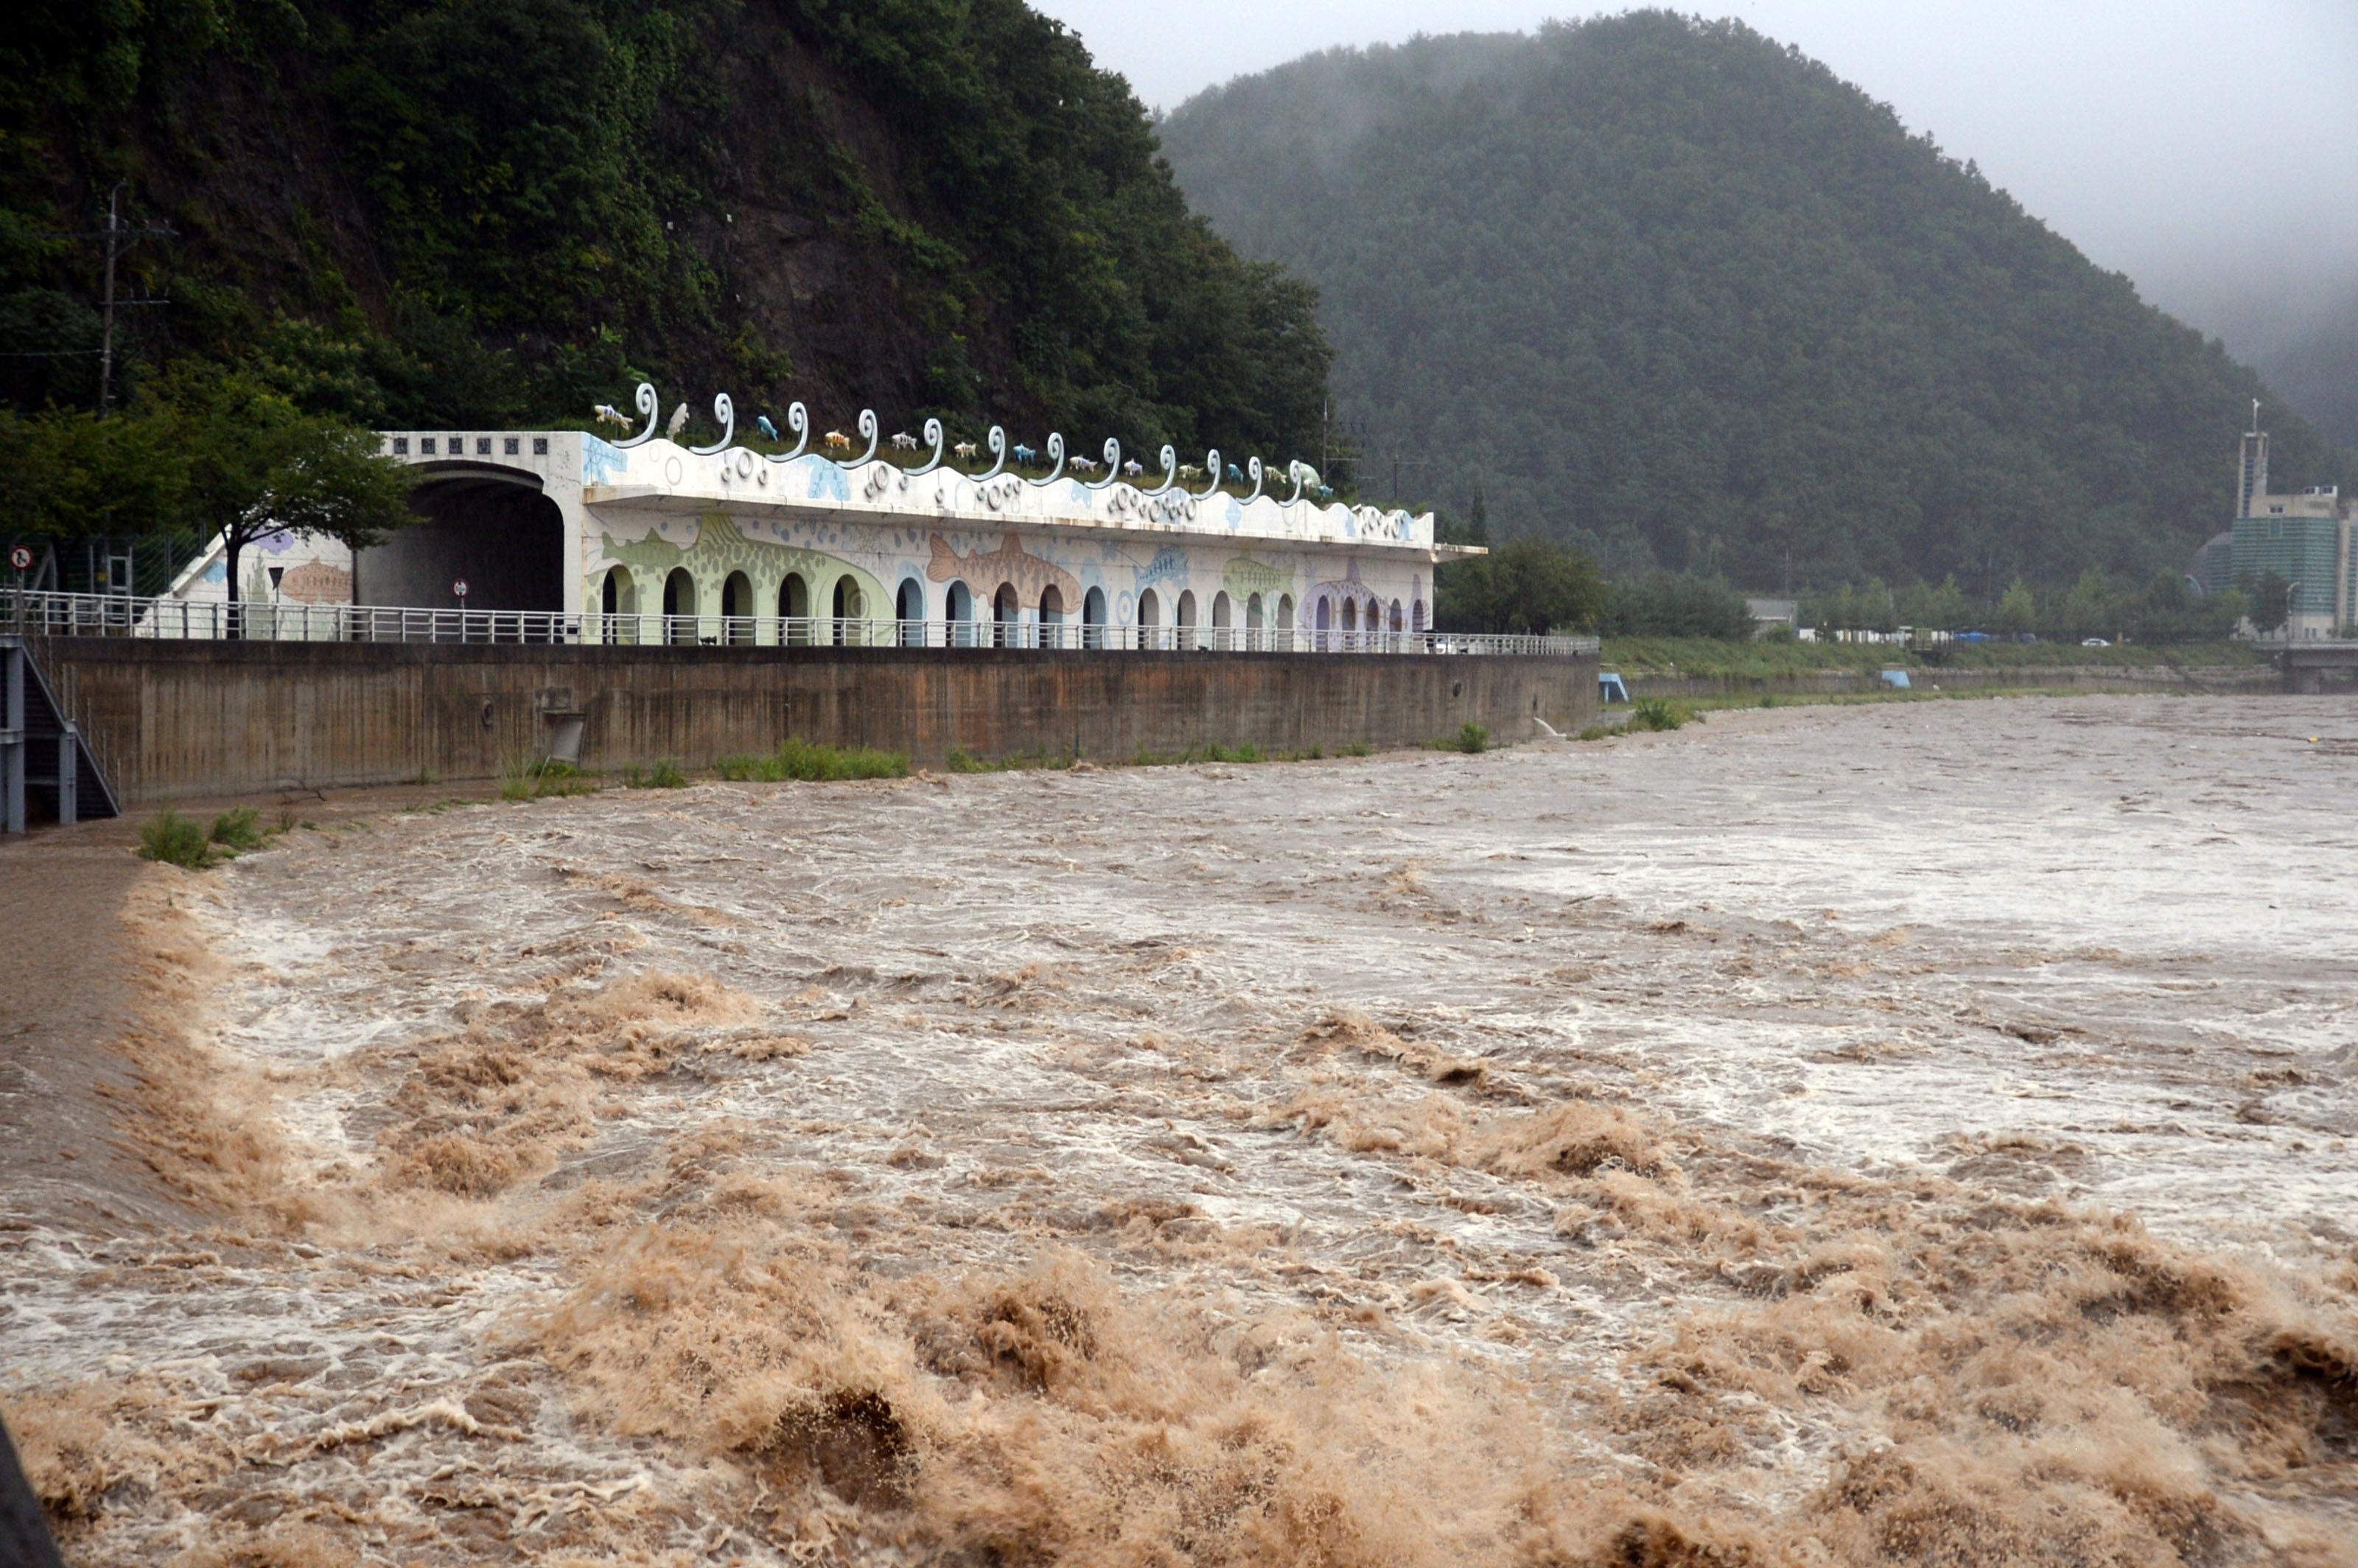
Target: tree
(2271,602)
(257,467)
(1528,586)
(70,475)
(2090,610)
(2017,612)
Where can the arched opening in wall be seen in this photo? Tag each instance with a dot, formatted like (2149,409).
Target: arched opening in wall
(1093,619)
(1417,622)
(1006,616)
(850,607)
(1322,637)
(1052,615)
(793,606)
(1285,622)
(1350,623)
(957,609)
(1221,621)
(479,521)
(679,606)
(1398,622)
(910,614)
(1149,620)
(618,601)
(737,609)
(1256,624)
(1183,620)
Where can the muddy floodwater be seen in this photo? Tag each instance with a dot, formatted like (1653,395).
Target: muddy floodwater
(1885,1135)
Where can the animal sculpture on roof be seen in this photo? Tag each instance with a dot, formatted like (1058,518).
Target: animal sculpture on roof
(1087,465)
(1236,474)
(762,423)
(678,422)
(1134,468)
(1026,455)
(903,442)
(837,441)
(607,413)
(965,450)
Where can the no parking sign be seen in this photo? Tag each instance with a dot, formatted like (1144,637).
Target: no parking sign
(21,558)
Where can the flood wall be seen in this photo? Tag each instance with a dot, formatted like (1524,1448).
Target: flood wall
(172,719)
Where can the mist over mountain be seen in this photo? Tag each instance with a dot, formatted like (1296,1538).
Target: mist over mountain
(1668,289)
(2301,335)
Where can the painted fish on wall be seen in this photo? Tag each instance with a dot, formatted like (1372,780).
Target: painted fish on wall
(1011,563)
(1170,564)
(1246,577)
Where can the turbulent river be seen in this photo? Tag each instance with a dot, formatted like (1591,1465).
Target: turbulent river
(1911,1133)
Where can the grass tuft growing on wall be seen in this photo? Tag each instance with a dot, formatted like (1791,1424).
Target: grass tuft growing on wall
(526,779)
(806,761)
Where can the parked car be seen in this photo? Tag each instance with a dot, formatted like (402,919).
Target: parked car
(2093,642)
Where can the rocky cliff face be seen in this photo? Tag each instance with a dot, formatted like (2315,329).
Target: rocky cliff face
(507,211)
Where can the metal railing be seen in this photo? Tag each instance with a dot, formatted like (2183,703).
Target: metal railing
(117,615)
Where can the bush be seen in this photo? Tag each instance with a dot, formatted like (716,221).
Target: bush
(176,840)
(1655,713)
(1355,749)
(1471,737)
(1247,753)
(663,775)
(236,829)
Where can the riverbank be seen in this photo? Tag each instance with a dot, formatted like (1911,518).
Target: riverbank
(1693,668)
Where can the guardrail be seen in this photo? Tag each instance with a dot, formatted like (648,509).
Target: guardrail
(42,614)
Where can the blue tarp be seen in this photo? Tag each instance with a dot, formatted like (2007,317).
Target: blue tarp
(1896,679)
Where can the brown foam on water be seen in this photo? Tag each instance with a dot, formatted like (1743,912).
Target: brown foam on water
(635,1242)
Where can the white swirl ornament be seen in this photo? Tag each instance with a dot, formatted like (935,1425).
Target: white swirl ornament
(651,406)
(726,412)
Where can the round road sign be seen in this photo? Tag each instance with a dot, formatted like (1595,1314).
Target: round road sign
(21,558)
(459,589)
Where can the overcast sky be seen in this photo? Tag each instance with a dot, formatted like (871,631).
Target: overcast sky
(2208,149)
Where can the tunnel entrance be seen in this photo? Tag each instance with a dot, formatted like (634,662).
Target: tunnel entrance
(490,526)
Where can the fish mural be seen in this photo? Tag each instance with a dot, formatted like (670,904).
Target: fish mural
(1170,563)
(1011,563)
(1245,577)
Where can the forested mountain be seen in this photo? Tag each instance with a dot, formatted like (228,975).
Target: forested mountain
(1666,288)
(499,211)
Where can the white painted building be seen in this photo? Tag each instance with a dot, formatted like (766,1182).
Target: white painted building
(647,539)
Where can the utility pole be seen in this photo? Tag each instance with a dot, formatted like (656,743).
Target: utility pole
(115,233)
(106,341)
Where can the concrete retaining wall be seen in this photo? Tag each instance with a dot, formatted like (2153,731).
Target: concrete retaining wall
(170,719)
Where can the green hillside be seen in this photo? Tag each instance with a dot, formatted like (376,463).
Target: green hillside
(1668,289)
(501,211)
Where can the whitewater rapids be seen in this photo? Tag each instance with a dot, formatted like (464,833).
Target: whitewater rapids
(1853,1135)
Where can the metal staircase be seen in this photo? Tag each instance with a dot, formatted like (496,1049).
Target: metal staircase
(44,760)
